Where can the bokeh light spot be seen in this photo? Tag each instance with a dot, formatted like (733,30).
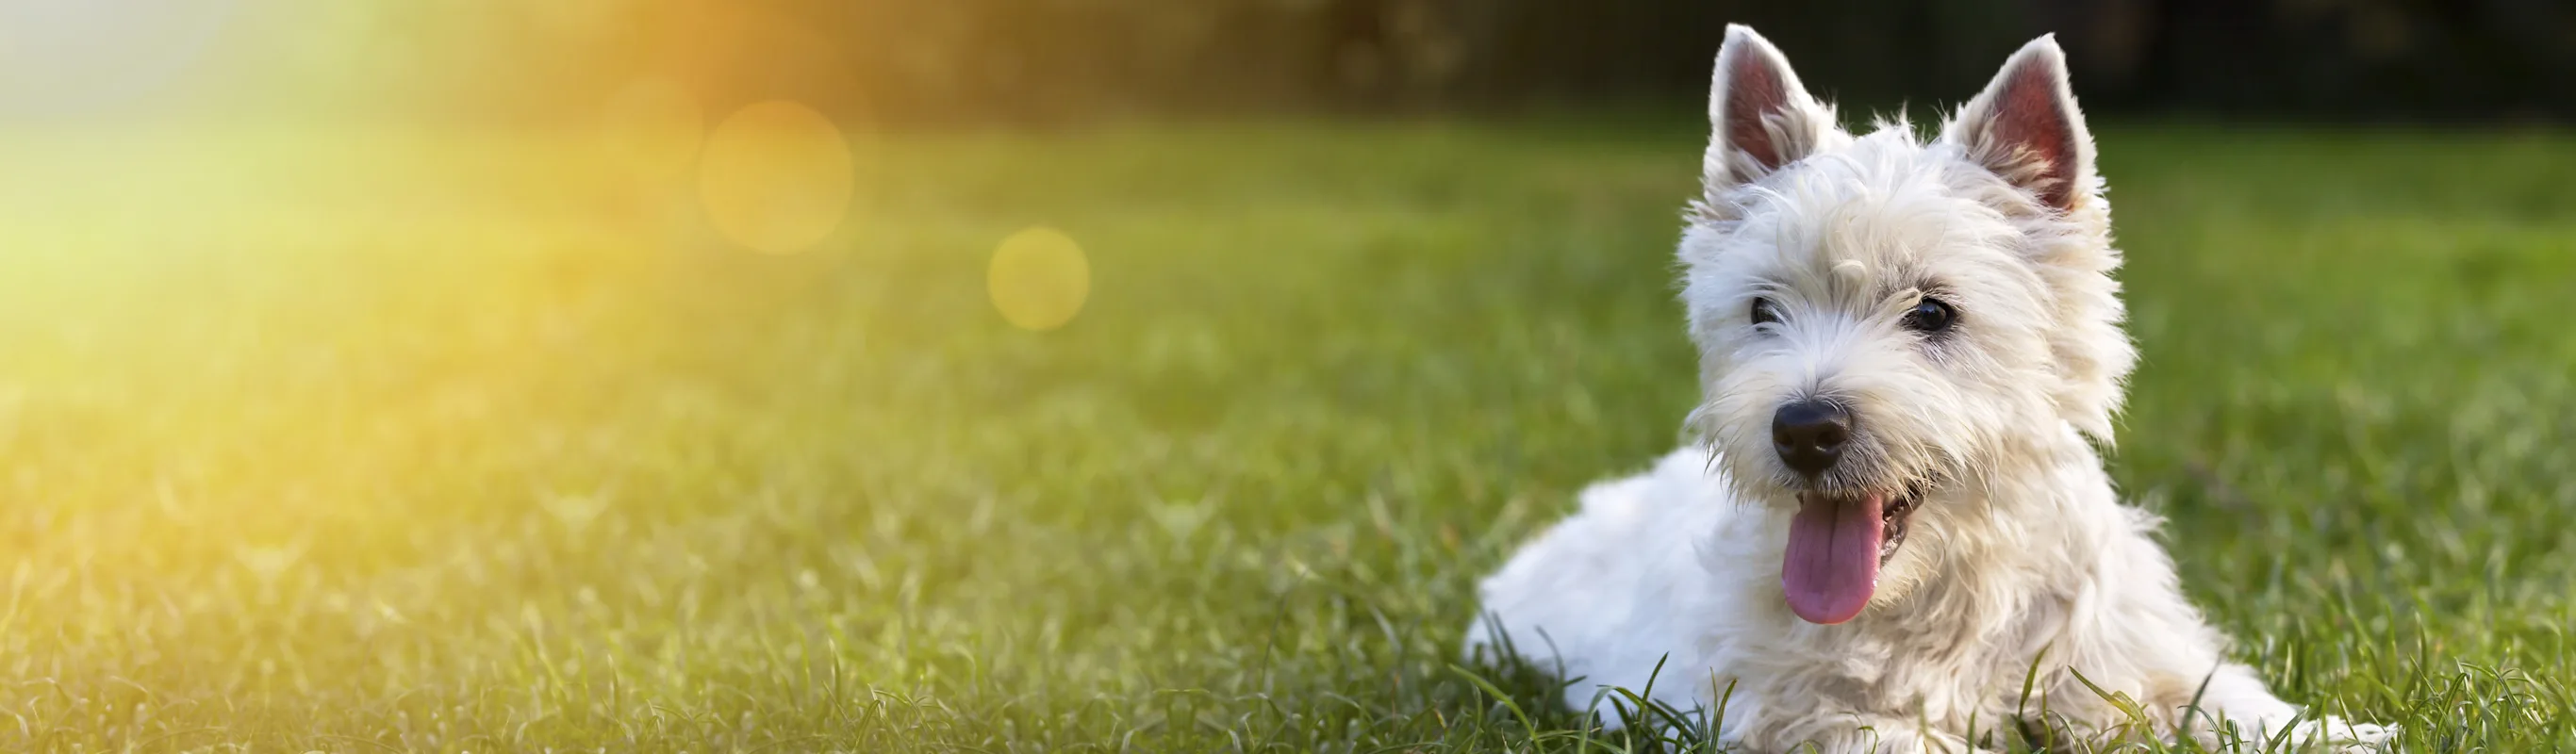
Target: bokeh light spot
(653,127)
(775,177)
(1039,279)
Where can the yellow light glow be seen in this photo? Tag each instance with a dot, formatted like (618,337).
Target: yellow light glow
(653,127)
(61,57)
(1039,279)
(776,177)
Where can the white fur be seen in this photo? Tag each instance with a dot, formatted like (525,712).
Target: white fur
(2020,556)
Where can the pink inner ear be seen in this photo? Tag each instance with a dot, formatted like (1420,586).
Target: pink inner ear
(1753,91)
(2029,115)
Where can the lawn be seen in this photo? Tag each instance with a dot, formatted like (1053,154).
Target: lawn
(360,439)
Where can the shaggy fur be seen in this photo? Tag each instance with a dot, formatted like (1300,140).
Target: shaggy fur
(2018,555)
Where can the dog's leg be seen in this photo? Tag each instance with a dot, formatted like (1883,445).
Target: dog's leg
(2237,712)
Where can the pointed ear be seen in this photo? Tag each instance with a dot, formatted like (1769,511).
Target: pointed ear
(2025,127)
(1761,118)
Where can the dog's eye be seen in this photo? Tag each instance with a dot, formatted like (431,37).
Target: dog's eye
(1930,315)
(1764,313)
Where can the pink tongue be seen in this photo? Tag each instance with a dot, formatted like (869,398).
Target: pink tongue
(1832,564)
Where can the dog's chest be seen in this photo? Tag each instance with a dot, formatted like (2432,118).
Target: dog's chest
(1916,668)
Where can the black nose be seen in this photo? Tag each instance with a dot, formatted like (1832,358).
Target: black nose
(1809,435)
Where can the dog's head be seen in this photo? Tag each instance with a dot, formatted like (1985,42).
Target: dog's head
(1885,323)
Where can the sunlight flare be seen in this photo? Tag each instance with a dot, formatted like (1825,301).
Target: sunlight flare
(776,177)
(1039,279)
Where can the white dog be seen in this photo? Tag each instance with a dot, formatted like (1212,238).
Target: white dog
(1895,513)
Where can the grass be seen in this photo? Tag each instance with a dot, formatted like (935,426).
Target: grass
(375,439)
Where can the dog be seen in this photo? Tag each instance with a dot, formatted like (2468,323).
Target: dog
(1892,530)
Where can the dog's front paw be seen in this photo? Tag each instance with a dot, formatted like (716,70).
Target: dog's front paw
(2337,735)
(2330,735)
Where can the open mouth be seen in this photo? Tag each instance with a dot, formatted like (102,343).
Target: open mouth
(1837,542)
(1891,519)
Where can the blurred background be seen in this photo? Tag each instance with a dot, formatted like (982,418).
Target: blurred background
(796,375)
(1060,61)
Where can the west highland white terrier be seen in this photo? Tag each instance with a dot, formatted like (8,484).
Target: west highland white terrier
(1893,532)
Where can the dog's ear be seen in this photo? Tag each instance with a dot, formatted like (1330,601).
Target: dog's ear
(2025,127)
(1761,118)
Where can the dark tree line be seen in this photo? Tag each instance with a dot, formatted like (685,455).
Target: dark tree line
(1038,61)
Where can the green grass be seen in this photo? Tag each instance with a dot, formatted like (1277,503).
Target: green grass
(358,441)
